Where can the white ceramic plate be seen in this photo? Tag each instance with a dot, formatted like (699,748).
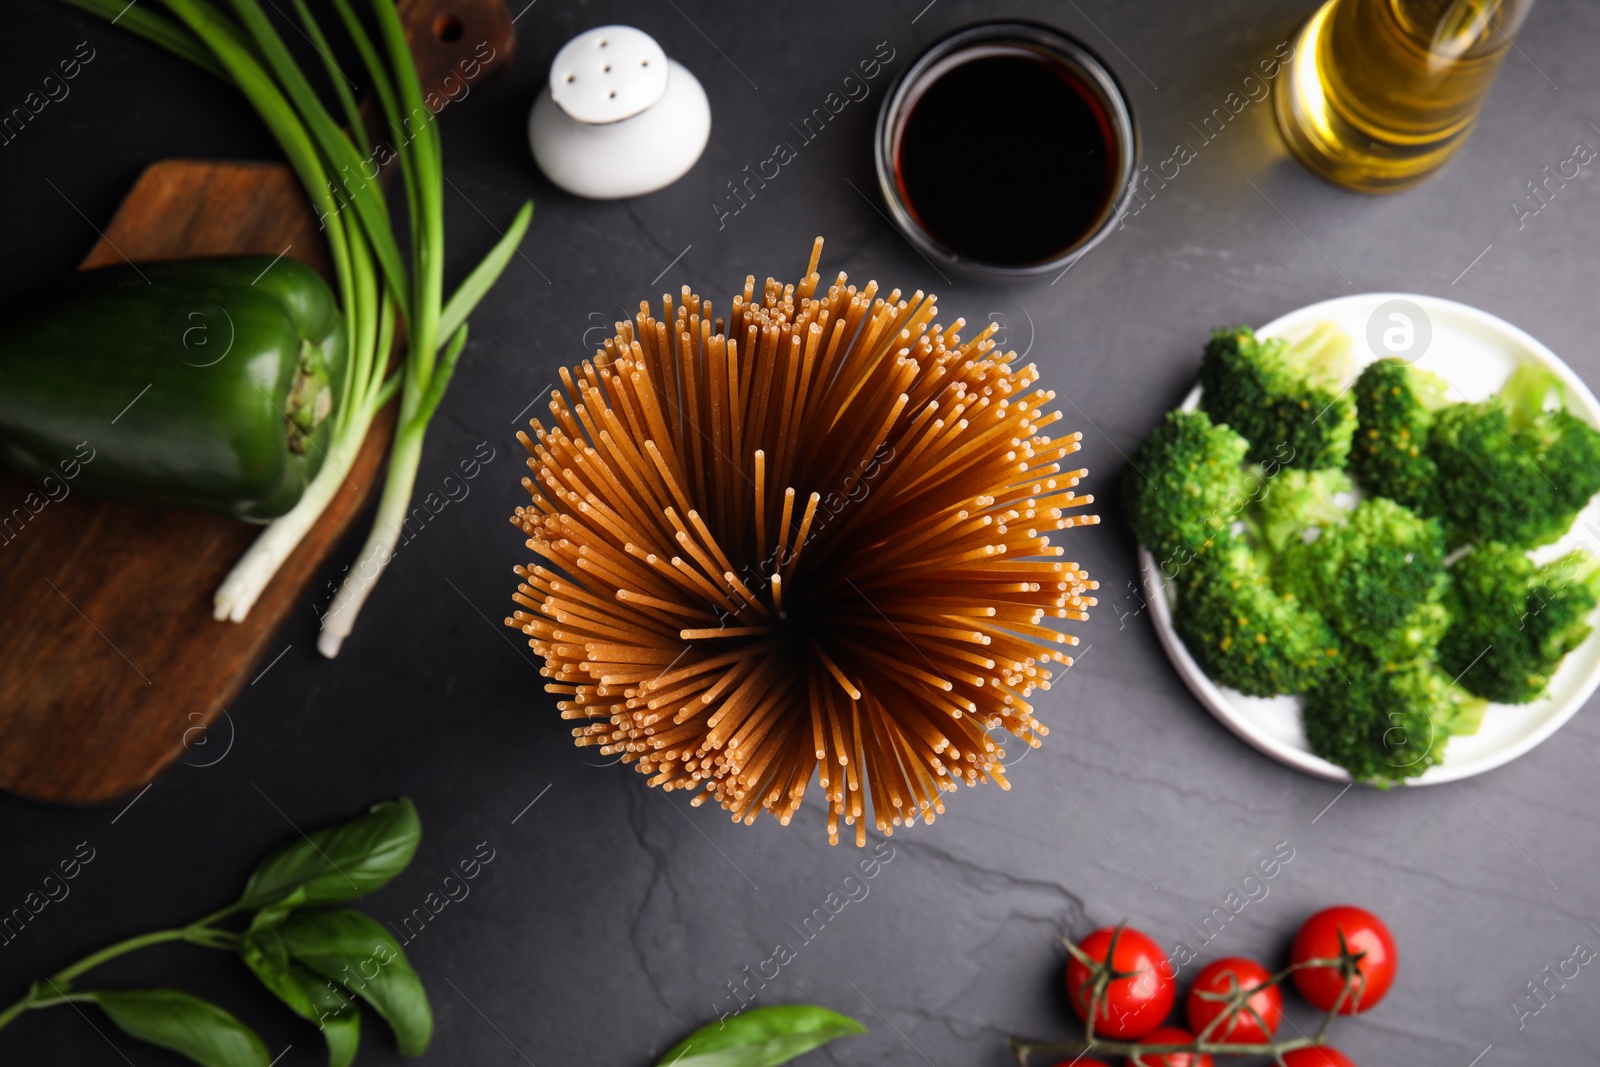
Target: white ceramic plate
(1474,351)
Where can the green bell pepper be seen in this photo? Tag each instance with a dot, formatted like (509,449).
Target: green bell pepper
(204,383)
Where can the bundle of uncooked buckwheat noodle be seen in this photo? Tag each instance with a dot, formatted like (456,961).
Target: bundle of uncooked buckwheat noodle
(810,540)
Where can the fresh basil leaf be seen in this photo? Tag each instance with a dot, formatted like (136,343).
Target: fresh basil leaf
(343,1034)
(328,1001)
(271,917)
(264,953)
(356,953)
(187,1025)
(315,998)
(308,995)
(761,1037)
(335,1014)
(340,862)
(262,949)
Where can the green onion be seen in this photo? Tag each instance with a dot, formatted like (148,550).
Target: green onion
(154,27)
(375,285)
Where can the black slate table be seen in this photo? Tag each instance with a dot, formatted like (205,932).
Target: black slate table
(612,918)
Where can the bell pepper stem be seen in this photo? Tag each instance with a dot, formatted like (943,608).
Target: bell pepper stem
(387,527)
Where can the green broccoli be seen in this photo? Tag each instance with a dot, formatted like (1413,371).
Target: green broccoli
(1296,501)
(1418,634)
(1488,487)
(1514,621)
(1372,576)
(1395,408)
(1243,633)
(1185,486)
(1564,447)
(1287,400)
(1509,471)
(1384,722)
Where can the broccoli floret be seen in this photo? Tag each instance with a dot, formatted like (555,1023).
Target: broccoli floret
(1185,486)
(1372,576)
(1287,400)
(1295,501)
(1564,447)
(1514,621)
(1567,450)
(1509,471)
(1488,487)
(1384,722)
(1243,633)
(1395,408)
(1419,634)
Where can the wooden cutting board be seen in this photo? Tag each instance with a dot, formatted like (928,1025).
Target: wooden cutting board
(112,665)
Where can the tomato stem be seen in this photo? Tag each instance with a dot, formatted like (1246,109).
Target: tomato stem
(1347,963)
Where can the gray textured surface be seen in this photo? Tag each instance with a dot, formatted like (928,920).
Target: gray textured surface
(612,919)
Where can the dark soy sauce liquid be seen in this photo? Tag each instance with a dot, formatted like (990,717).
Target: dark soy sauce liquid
(1007,157)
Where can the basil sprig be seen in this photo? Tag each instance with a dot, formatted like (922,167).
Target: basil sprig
(761,1037)
(318,961)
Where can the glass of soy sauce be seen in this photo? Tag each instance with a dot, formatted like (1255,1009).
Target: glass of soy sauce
(1007,147)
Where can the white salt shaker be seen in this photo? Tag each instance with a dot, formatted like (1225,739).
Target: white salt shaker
(618,118)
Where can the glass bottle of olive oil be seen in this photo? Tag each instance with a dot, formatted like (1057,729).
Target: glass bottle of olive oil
(1381,93)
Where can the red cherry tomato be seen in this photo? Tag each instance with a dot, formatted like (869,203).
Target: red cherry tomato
(1317,1057)
(1170,1035)
(1364,933)
(1223,978)
(1139,995)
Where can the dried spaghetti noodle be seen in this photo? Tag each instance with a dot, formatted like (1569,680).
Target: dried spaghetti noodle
(810,541)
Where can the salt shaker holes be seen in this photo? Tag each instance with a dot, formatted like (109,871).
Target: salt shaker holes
(615,99)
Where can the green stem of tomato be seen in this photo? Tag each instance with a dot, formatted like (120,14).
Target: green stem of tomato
(1026,1049)
(1237,1002)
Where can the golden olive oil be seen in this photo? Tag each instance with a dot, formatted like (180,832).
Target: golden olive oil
(1381,93)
